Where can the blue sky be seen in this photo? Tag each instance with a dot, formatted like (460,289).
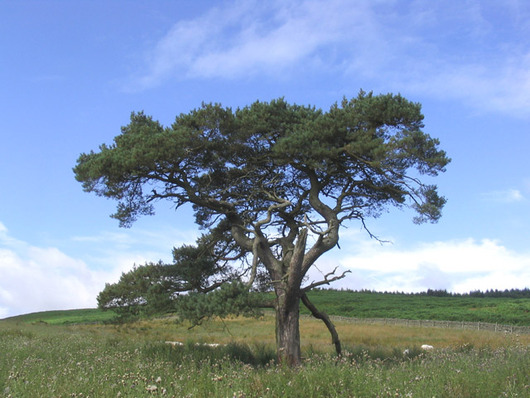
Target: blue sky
(73,71)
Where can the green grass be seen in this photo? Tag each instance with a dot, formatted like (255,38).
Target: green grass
(78,353)
(65,317)
(509,311)
(505,311)
(132,360)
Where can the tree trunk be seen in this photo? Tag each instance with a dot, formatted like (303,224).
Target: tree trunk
(288,330)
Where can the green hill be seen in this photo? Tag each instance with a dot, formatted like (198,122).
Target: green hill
(65,317)
(466,308)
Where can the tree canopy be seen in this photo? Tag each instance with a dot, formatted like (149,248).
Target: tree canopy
(271,183)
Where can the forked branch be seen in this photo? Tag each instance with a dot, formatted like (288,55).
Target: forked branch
(327,280)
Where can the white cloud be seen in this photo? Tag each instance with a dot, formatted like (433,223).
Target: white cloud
(249,37)
(499,88)
(45,278)
(457,50)
(458,266)
(506,196)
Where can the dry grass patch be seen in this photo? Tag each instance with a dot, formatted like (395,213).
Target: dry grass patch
(313,333)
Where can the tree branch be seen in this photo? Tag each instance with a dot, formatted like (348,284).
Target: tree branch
(326,281)
(324,318)
(283,203)
(370,233)
(255,261)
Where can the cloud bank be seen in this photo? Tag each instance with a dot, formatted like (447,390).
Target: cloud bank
(38,279)
(457,266)
(44,278)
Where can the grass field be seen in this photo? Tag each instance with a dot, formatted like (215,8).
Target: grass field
(79,353)
(133,360)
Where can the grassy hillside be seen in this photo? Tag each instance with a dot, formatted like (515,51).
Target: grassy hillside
(65,317)
(506,311)
(509,311)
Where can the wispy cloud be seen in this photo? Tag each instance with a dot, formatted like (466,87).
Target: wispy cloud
(503,88)
(246,38)
(452,50)
(506,196)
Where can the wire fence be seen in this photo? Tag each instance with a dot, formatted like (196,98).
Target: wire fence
(493,327)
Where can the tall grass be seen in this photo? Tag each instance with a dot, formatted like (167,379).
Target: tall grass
(134,361)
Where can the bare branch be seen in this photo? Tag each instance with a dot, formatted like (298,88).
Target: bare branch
(311,226)
(381,242)
(255,261)
(326,280)
(324,318)
(283,203)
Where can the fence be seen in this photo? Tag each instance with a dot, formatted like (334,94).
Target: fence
(493,327)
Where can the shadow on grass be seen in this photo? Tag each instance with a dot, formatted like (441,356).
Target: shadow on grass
(258,355)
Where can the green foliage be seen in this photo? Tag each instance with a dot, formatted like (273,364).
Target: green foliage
(155,288)
(263,168)
(146,289)
(223,161)
(231,299)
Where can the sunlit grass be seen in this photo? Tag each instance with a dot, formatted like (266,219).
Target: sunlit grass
(314,333)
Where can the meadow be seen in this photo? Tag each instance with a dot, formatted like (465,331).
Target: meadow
(47,359)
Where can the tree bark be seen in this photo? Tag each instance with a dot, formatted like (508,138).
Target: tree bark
(288,306)
(288,330)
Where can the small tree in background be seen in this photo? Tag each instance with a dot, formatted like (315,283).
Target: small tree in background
(272,183)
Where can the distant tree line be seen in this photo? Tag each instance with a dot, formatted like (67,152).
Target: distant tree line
(493,293)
